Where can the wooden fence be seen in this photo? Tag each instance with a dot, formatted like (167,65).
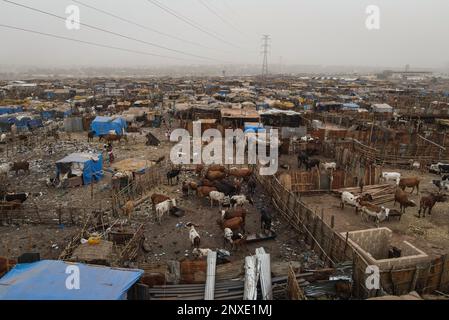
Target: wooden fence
(333,247)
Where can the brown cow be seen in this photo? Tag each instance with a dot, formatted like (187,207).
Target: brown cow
(237,212)
(233,224)
(199,169)
(21,165)
(128,208)
(241,173)
(216,167)
(157,198)
(402,197)
(114,137)
(206,183)
(428,202)
(409,183)
(204,191)
(215,175)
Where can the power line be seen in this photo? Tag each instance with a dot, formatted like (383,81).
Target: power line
(89,42)
(209,8)
(189,22)
(142,26)
(110,32)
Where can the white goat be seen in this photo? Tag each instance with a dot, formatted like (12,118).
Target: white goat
(216,196)
(2,138)
(163,208)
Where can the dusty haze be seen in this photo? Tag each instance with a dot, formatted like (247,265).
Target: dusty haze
(305,32)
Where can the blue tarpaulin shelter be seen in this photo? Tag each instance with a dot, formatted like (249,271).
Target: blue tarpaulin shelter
(102,125)
(46,280)
(350,106)
(90,164)
(10,109)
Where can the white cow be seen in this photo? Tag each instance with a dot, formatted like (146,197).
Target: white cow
(390,176)
(377,216)
(4,169)
(329,165)
(216,196)
(306,139)
(239,200)
(349,198)
(163,208)
(194,237)
(199,253)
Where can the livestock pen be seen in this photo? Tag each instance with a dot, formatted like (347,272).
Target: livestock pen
(425,277)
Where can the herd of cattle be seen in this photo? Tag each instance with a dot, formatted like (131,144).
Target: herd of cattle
(363,203)
(222,187)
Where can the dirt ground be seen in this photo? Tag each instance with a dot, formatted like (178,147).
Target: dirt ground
(167,241)
(430,234)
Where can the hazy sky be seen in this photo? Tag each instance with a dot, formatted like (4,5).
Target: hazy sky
(306,32)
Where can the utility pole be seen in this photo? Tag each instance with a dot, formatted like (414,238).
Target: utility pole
(265,50)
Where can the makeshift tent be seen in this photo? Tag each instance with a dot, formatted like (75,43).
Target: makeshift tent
(89,166)
(47,279)
(10,109)
(350,106)
(102,125)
